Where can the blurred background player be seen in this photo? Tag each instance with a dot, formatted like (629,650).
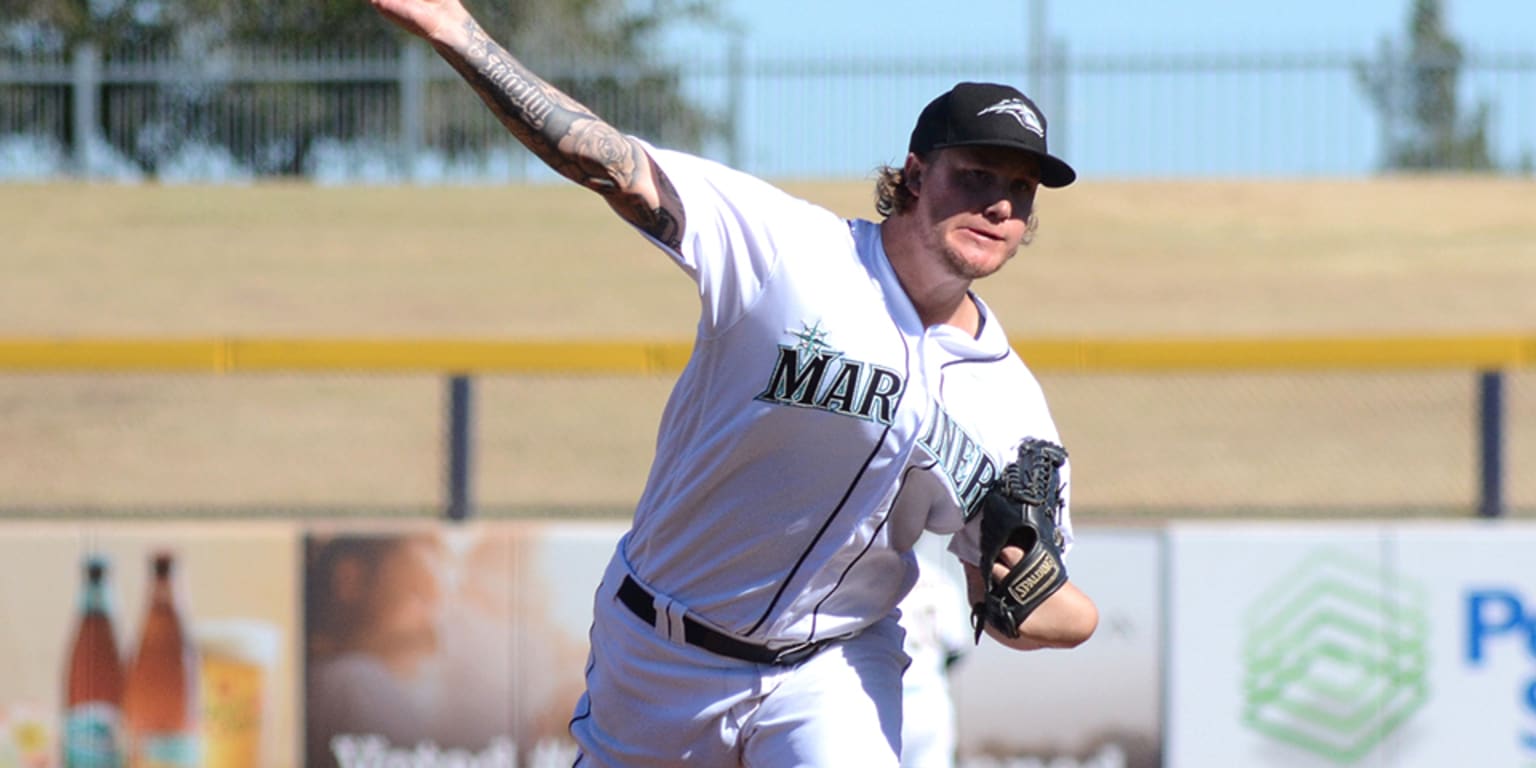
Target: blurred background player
(935,614)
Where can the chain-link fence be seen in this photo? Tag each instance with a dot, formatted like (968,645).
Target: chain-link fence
(387,116)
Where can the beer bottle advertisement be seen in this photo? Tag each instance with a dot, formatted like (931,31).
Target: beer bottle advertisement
(93,685)
(160,701)
(234,589)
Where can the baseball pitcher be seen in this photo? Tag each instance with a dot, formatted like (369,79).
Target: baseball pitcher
(847,393)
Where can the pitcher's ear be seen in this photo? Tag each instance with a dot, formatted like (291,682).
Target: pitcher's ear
(912,172)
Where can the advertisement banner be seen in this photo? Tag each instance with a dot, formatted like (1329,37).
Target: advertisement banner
(423,644)
(1096,706)
(148,641)
(1405,645)
(458,645)
(469,645)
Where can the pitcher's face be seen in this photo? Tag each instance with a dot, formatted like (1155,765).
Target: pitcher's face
(975,203)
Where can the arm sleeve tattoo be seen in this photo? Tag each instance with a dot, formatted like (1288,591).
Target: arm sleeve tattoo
(567,136)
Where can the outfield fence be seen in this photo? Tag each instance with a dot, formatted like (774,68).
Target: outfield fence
(384,116)
(1225,384)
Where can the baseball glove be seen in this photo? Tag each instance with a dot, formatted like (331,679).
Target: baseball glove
(1021,508)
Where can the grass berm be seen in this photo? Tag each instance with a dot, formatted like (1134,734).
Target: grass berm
(1148,259)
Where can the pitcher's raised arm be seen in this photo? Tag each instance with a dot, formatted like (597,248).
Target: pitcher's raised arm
(566,135)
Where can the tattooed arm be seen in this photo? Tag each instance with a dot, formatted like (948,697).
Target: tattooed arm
(566,135)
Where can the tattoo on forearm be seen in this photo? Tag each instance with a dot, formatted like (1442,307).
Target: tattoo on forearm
(501,73)
(566,135)
(562,132)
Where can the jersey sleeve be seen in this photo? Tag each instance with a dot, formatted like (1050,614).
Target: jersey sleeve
(736,228)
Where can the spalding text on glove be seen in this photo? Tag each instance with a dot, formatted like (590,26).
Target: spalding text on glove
(1022,508)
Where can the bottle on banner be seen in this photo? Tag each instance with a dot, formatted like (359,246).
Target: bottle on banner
(160,699)
(93,684)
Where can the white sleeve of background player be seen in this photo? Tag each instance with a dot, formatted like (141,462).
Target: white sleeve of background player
(735,227)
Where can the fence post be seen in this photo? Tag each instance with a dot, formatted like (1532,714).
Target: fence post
(1491,442)
(736,86)
(1039,51)
(85,85)
(413,106)
(1060,97)
(460,446)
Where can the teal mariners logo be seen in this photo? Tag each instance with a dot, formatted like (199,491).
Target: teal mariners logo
(811,374)
(1336,657)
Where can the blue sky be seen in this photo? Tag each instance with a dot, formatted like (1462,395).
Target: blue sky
(1266,124)
(1099,27)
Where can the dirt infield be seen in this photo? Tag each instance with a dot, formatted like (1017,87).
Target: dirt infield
(1399,256)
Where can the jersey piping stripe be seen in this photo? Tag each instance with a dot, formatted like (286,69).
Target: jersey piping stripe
(848,493)
(876,535)
(816,612)
(994,359)
(584,712)
(943,382)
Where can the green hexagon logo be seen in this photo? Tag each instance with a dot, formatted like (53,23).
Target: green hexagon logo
(1336,657)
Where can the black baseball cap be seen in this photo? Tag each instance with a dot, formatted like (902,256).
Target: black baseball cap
(988,114)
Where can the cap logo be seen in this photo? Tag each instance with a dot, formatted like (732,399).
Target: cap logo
(1018,110)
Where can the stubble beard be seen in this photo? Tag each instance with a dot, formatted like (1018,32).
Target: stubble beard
(970,269)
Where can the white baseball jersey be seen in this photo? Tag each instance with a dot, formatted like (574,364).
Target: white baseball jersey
(819,427)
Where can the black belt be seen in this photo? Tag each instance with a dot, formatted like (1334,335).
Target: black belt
(641,602)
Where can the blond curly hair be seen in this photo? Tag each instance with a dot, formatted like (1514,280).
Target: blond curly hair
(891,193)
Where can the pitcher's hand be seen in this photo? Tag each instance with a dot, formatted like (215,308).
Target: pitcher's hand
(433,20)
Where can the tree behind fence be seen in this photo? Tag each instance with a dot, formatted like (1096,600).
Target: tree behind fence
(389,113)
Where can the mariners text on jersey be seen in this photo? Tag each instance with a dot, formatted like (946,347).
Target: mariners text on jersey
(965,464)
(813,376)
